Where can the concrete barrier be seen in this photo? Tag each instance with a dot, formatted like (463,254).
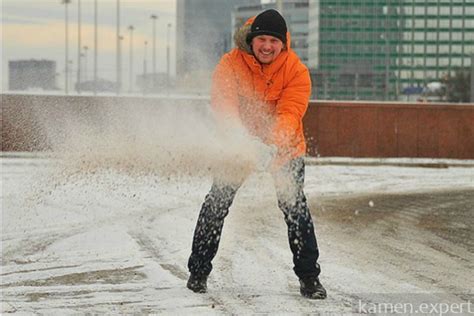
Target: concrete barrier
(333,129)
(23,115)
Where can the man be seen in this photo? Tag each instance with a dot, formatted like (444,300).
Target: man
(263,86)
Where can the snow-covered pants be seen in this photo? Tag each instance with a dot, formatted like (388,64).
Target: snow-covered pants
(289,182)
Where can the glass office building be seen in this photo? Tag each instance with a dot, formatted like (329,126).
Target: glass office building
(32,74)
(383,49)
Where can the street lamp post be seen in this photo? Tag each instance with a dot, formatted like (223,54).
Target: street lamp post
(82,65)
(78,84)
(168,60)
(95,47)
(119,79)
(70,65)
(119,71)
(130,79)
(86,48)
(154,18)
(145,79)
(66,53)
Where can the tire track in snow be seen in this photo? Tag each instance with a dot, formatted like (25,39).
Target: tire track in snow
(149,246)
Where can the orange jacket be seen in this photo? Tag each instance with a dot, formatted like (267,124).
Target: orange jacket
(269,100)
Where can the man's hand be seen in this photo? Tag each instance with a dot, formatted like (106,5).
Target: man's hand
(265,156)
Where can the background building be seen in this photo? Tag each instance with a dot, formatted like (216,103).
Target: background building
(31,74)
(376,50)
(203,33)
(153,83)
(296,16)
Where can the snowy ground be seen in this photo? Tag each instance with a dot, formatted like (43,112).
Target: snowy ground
(111,243)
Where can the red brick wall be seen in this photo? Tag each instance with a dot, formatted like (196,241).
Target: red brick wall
(358,129)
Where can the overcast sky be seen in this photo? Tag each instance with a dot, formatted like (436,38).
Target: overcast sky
(35,29)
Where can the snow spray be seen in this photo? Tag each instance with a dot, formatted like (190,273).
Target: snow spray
(165,138)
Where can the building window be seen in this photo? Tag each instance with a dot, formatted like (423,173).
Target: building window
(431,36)
(457,23)
(444,23)
(443,49)
(419,49)
(419,75)
(456,62)
(456,49)
(405,74)
(419,23)
(431,49)
(457,36)
(430,62)
(432,23)
(419,61)
(432,10)
(444,61)
(407,61)
(419,10)
(431,75)
(457,10)
(419,36)
(444,11)
(444,36)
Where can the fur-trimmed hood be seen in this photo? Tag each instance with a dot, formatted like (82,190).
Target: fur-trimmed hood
(240,37)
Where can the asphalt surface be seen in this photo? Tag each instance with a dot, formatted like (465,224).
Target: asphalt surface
(114,244)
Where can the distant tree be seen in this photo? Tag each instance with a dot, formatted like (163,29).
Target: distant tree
(458,87)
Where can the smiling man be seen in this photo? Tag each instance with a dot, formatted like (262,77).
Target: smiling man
(263,86)
(266,48)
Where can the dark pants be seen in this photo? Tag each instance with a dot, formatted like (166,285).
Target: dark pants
(291,200)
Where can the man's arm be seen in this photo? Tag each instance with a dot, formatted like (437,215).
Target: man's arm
(290,111)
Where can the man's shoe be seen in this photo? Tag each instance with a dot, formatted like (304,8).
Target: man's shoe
(311,288)
(197,284)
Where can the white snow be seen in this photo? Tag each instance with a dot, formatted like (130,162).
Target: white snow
(111,242)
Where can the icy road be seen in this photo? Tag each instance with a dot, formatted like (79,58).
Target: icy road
(108,242)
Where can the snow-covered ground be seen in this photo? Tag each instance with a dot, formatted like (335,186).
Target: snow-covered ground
(109,242)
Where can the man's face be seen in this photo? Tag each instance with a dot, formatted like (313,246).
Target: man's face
(266,48)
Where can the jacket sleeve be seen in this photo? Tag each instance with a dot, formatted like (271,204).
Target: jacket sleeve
(224,97)
(290,110)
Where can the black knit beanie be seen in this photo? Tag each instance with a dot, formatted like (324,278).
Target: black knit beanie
(269,22)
